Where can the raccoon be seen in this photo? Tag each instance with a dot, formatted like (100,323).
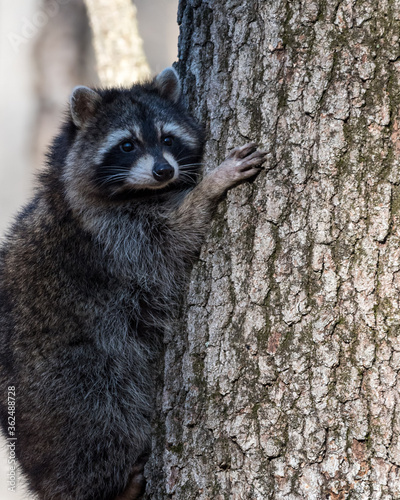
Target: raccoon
(91,275)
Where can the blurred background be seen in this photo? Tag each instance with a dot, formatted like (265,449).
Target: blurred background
(46,48)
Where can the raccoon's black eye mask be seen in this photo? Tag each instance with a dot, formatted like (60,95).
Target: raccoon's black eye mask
(127,146)
(168,141)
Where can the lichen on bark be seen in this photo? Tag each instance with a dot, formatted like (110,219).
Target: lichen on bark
(283,380)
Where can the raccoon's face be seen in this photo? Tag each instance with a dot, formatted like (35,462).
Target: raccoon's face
(133,142)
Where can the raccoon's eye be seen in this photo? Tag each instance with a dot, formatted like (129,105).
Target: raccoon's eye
(168,141)
(127,146)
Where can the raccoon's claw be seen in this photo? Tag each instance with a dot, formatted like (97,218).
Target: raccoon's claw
(248,160)
(248,154)
(254,160)
(241,164)
(243,151)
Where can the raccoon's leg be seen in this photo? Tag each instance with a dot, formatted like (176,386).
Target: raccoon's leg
(190,221)
(137,481)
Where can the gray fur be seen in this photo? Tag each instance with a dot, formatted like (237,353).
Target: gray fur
(90,278)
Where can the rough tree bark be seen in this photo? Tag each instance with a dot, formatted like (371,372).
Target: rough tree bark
(283,383)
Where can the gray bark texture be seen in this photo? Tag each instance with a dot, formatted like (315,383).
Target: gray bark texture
(283,381)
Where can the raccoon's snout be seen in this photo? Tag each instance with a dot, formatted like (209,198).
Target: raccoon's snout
(163,172)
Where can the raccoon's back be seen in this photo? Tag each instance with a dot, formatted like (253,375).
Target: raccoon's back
(51,285)
(48,267)
(11,277)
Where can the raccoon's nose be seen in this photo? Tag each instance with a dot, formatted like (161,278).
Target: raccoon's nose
(163,172)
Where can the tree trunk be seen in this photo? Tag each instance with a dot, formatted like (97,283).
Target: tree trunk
(283,381)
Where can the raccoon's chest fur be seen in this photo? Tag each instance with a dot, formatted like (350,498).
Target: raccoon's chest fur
(139,250)
(145,266)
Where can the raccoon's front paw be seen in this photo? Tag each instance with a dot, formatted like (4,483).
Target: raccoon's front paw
(241,163)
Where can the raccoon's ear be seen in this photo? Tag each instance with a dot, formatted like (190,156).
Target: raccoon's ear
(83,103)
(168,85)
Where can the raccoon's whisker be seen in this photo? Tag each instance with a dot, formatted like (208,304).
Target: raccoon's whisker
(187,176)
(108,175)
(112,179)
(181,151)
(121,174)
(188,168)
(183,158)
(114,176)
(117,168)
(190,174)
(191,170)
(180,158)
(191,165)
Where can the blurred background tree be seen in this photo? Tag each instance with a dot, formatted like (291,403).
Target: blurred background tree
(117,42)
